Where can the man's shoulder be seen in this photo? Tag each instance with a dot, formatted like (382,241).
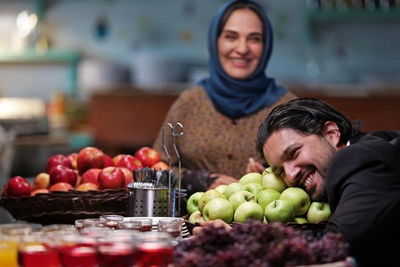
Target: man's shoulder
(372,141)
(372,162)
(381,136)
(372,149)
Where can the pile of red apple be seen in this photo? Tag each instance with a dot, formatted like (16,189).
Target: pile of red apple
(89,169)
(262,197)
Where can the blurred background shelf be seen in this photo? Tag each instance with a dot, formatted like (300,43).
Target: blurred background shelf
(71,58)
(352,15)
(32,56)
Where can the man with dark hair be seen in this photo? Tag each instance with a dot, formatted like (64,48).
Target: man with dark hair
(313,146)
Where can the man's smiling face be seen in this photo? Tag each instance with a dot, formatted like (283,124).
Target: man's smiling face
(301,159)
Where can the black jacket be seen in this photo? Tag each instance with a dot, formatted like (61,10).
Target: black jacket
(363,189)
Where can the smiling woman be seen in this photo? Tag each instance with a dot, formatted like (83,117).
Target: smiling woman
(222,112)
(240,44)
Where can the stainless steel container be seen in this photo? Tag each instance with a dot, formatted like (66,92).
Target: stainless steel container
(151,202)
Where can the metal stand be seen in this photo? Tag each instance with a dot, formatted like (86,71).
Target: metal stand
(175,193)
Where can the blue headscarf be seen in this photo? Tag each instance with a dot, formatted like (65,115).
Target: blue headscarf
(238,98)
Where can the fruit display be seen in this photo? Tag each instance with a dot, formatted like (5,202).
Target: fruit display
(258,244)
(85,170)
(262,197)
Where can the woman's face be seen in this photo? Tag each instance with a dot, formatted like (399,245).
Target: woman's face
(240,44)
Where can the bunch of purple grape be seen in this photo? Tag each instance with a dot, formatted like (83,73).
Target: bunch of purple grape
(258,244)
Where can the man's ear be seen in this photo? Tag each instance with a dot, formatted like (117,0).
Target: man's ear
(332,133)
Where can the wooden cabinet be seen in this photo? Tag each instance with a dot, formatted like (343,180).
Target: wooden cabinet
(128,119)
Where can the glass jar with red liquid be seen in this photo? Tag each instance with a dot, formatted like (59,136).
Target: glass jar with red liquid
(77,251)
(35,251)
(154,249)
(145,224)
(172,226)
(117,249)
(130,225)
(111,221)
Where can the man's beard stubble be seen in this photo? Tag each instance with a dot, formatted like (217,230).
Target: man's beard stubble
(326,159)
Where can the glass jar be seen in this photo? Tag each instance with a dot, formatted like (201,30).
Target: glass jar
(154,249)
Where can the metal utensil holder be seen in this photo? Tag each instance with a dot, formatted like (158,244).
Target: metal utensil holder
(149,202)
(152,198)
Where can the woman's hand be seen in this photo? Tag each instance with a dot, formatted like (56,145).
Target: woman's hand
(216,223)
(222,179)
(254,166)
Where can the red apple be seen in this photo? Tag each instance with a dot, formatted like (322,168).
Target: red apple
(57,160)
(129,162)
(61,173)
(42,181)
(161,165)
(128,175)
(61,186)
(39,191)
(73,158)
(117,158)
(111,178)
(18,187)
(108,161)
(88,158)
(91,176)
(148,156)
(87,186)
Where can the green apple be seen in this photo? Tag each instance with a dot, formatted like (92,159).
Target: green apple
(300,220)
(240,197)
(232,188)
(251,177)
(253,188)
(299,198)
(221,188)
(318,212)
(248,211)
(207,196)
(267,170)
(272,181)
(218,208)
(193,202)
(196,217)
(279,211)
(264,197)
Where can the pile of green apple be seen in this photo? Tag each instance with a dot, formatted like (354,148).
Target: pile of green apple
(262,197)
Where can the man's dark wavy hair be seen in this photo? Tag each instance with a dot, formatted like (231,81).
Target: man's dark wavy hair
(307,116)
